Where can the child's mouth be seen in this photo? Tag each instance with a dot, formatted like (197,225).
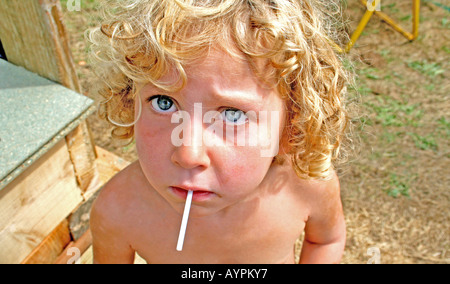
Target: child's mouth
(198,194)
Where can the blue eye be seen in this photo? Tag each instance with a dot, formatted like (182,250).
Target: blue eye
(162,104)
(234,116)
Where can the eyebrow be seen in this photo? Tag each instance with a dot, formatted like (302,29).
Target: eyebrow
(231,97)
(240,98)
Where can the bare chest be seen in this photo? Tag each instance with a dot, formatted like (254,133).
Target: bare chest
(268,236)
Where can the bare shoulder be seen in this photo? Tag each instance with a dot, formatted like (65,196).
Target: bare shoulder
(119,188)
(322,188)
(115,198)
(110,217)
(326,223)
(318,193)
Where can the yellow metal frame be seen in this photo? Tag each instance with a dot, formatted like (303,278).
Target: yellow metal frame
(368,15)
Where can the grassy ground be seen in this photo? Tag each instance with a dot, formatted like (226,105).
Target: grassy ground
(395,188)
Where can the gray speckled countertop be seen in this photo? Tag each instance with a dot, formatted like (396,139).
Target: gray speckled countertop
(35,113)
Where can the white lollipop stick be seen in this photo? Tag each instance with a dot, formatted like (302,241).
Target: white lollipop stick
(184,221)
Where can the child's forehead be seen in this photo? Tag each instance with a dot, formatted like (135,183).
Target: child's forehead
(224,77)
(217,65)
(218,61)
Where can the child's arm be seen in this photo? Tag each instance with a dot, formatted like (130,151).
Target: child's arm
(325,229)
(108,237)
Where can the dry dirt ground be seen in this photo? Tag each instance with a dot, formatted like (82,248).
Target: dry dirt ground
(395,186)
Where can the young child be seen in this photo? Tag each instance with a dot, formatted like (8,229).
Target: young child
(205,87)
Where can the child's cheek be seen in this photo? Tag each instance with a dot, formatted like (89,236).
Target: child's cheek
(245,167)
(150,135)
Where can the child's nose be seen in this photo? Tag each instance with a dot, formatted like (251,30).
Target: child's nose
(193,154)
(190,157)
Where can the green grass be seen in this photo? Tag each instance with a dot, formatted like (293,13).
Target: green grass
(391,8)
(391,112)
(430,69)
(399,121)
(444,126)
(427,142)
(398,185)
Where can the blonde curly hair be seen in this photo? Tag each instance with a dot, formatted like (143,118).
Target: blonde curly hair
(142,40)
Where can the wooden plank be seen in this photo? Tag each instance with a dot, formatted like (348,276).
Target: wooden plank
(108,166)
(57,244)
(34,36)
(88,257)
(79,220)
(35,203)
(51,247)
(139,260)
(83,156)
